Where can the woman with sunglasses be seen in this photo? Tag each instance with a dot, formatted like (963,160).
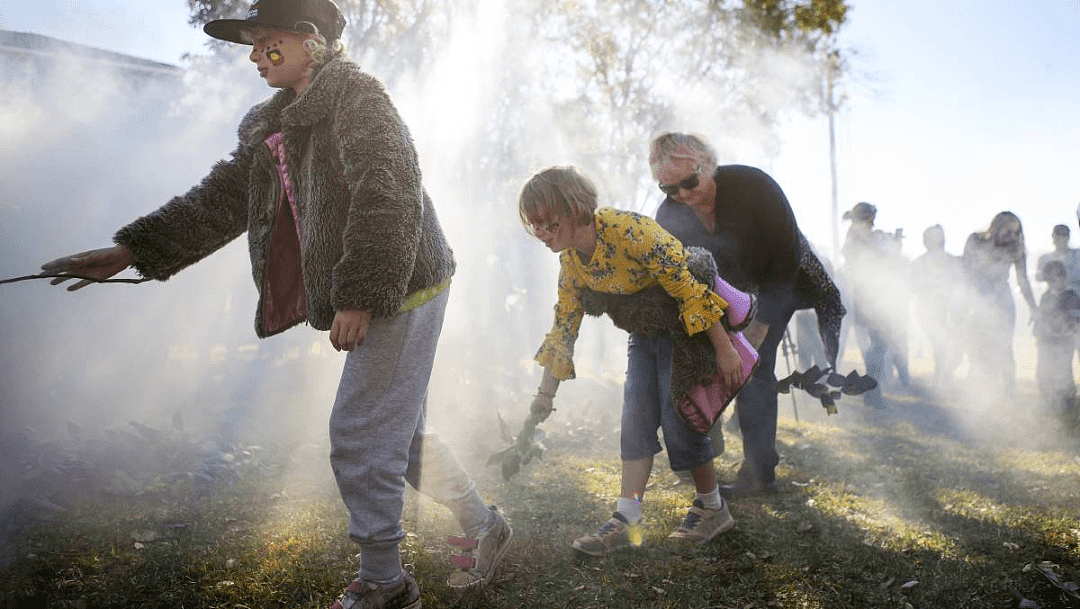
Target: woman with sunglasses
(742,217)
(609,251)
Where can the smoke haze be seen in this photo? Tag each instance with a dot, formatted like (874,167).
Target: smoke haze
(86,150)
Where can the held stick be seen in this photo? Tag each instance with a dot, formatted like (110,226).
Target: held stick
(71,276)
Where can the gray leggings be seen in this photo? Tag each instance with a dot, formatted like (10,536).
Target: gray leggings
(377,438)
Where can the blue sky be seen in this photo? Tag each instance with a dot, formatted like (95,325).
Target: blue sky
(958,110)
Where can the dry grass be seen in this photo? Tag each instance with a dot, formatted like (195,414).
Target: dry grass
(891,511)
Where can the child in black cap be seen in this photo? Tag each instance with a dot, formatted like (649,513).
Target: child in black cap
(343,236)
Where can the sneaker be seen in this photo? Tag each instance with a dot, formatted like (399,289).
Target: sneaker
(404,594)
(480,555)
(614,534)
(702,524)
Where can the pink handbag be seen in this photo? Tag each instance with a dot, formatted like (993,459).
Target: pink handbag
(705,402)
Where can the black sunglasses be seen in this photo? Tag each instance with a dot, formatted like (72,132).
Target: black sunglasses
(689,183)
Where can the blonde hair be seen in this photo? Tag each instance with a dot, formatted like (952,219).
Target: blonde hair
(999,222)
(671,145)
(557,192)
(322,51)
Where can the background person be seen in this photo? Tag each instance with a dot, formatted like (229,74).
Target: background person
(868,257)
(1067,256)
(1057,324)
(326,182)
(990,311)
(935,276)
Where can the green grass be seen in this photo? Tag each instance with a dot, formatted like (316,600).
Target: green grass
(865,509)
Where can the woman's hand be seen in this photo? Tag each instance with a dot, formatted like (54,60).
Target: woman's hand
(349,328)
(730,364)
(100,264)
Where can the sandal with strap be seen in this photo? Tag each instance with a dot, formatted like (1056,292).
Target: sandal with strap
(404,594)
(480,556)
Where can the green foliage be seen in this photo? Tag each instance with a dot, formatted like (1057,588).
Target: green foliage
(610,74)
(784,19)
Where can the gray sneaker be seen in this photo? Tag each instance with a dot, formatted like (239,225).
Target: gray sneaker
(405,594)
(480,555)
(702,524)
(614,534)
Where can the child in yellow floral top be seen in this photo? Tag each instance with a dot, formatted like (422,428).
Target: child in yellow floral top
(621,252)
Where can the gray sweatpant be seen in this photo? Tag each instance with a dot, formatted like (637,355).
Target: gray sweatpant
(377,438)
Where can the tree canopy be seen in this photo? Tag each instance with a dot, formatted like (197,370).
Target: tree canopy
(606,75)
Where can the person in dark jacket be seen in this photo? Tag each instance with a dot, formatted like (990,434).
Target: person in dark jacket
(868,257)
(1057,321)
(742,217)
(326,182)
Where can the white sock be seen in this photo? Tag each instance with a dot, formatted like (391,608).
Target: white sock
(711,501)
(630,509)
(473,514)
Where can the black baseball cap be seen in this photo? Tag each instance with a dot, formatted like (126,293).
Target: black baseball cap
(861,211)
(309,16)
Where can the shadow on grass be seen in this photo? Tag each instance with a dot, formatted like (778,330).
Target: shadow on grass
(865,510)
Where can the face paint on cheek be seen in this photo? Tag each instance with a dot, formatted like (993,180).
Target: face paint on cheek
(275,57)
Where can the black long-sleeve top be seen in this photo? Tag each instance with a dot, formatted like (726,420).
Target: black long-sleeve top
(756,240)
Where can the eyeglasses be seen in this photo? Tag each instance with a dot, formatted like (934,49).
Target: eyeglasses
(550,228)
(689,183)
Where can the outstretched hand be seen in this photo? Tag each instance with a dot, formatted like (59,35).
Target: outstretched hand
(99,264)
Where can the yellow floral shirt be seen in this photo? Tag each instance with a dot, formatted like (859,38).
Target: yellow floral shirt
(632,253)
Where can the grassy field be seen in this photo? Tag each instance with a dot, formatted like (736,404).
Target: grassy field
(906,508)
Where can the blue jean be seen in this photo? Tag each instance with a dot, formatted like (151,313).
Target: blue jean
(874,359)
(647,407)
(756,407)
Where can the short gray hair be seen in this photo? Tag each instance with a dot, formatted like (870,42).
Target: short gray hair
(672,145)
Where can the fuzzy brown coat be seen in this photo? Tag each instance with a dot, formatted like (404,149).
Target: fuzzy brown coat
(369,233)
(653,310)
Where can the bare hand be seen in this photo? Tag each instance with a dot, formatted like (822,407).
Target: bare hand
(349,329)
(730,365)
(541,406)
(100,264)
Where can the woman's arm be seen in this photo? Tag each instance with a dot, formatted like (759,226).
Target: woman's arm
(1025,285)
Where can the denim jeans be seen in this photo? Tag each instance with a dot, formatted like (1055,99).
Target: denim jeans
(647,407)
(874,359)
(756,407)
